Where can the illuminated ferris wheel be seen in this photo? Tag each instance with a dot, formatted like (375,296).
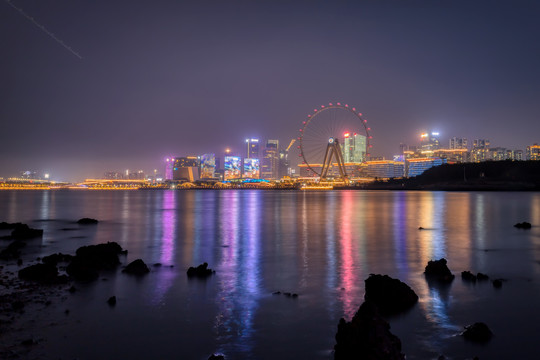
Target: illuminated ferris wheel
(336,131)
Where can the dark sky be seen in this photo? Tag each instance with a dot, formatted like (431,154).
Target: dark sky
(189,77)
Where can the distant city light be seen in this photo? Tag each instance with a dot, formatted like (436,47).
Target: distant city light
(46,176)
(347,134)
(435,133)
(424,135)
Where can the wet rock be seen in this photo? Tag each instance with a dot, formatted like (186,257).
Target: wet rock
(390,295)
(87,221)
(28,342)
(112,301)
(19,262)
(201,271)
(497,283)
(136,267)
(420,228)
(437,270)
(54,259)
(13,250)
(42,273)
(24,232)
(276,293)
(523,225)
(294,295)
(17,305)
(477,332)
(482,277)
(89,260)
(216,357)
(468,276)
(72,289)
(367,336)
(157,265)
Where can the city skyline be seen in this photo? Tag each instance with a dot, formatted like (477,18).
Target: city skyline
(192,78)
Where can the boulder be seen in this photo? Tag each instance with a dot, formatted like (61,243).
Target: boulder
(87,221)
(54,259)
(367,336)
(13,250)
(136,267)
(112,301)
(23,232)
(477,332)
(437,270)
(468,276)
(523,225)
(482,277)
(497,283)
(43,273)
(390,295)
(201,271)
(8,226)
(216,357)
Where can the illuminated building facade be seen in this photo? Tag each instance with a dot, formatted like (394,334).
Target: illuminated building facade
(458,143)
(251,169)
(384,169)
(208,166)
(233,168)
(415,167)
(169,166)
(186,168)
(480,150)
(429,141)
(354,148)
(252,148)
(270,160)
(533,152)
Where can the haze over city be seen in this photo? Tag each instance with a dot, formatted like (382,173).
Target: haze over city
(93,86)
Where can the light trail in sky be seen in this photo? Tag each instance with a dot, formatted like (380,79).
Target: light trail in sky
(68,48)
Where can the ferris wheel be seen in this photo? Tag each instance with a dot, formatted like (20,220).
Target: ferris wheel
(328,126)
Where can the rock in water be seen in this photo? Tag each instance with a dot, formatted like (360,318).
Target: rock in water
(367,336)
(87,221)
(437,270)
(200,271)
(13,250)
(89,260)
(23,232)
(468,276)
(216,357)
(112,301)
(523,225)
(390,295)
(477,332)
(136,267)
(43,273)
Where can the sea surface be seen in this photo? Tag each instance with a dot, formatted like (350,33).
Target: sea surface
(320,245)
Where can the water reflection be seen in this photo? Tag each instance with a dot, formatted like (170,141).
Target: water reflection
(239,286)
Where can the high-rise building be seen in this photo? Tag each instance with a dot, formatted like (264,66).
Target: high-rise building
(480,150)
(458,143)
(270,160)
(186,168)
(429,141)
(208,166)
(354,148)
(252,147)
(533,152)
(169,166)
(251,169)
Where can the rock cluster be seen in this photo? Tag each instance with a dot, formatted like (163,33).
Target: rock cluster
(89,260)
(201,271)
(42,273)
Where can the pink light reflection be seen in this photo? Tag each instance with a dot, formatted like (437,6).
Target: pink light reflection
(349,279)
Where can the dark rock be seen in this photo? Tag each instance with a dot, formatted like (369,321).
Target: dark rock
(477,332)
(367,336)
(201,271)
(468,276)
(482,277)
(43,273)
(112,301)
(13,250)
(87,221)
(19,262)
(28,342)
(8,226)
(216,357)
(72,289)
(17,305)
(294,295)
(437,270)
(390,295)
(288,294)
(89,260)
(136,267)
(421,228)
(523,225)
(23,232)
(54,259)
(157,265)
(497,283)
(276,293)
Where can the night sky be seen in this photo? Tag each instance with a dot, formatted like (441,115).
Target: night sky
(161,78)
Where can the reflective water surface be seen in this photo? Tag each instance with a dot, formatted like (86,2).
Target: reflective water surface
(321,245)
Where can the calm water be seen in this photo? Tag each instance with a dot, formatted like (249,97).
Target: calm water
(321,245)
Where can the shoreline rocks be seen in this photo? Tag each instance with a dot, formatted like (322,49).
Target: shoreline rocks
(477,332)
(24,232)
(201,271)
(87,221)
(137,268)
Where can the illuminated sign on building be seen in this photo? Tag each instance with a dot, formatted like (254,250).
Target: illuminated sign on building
(233,167)
(208,166)
(251,168)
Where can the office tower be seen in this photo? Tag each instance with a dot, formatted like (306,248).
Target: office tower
(252,148)
(458,143)
(354,148)
(429,141)
(270,160)
(169,166)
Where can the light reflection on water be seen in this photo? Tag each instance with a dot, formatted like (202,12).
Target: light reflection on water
(322,245)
